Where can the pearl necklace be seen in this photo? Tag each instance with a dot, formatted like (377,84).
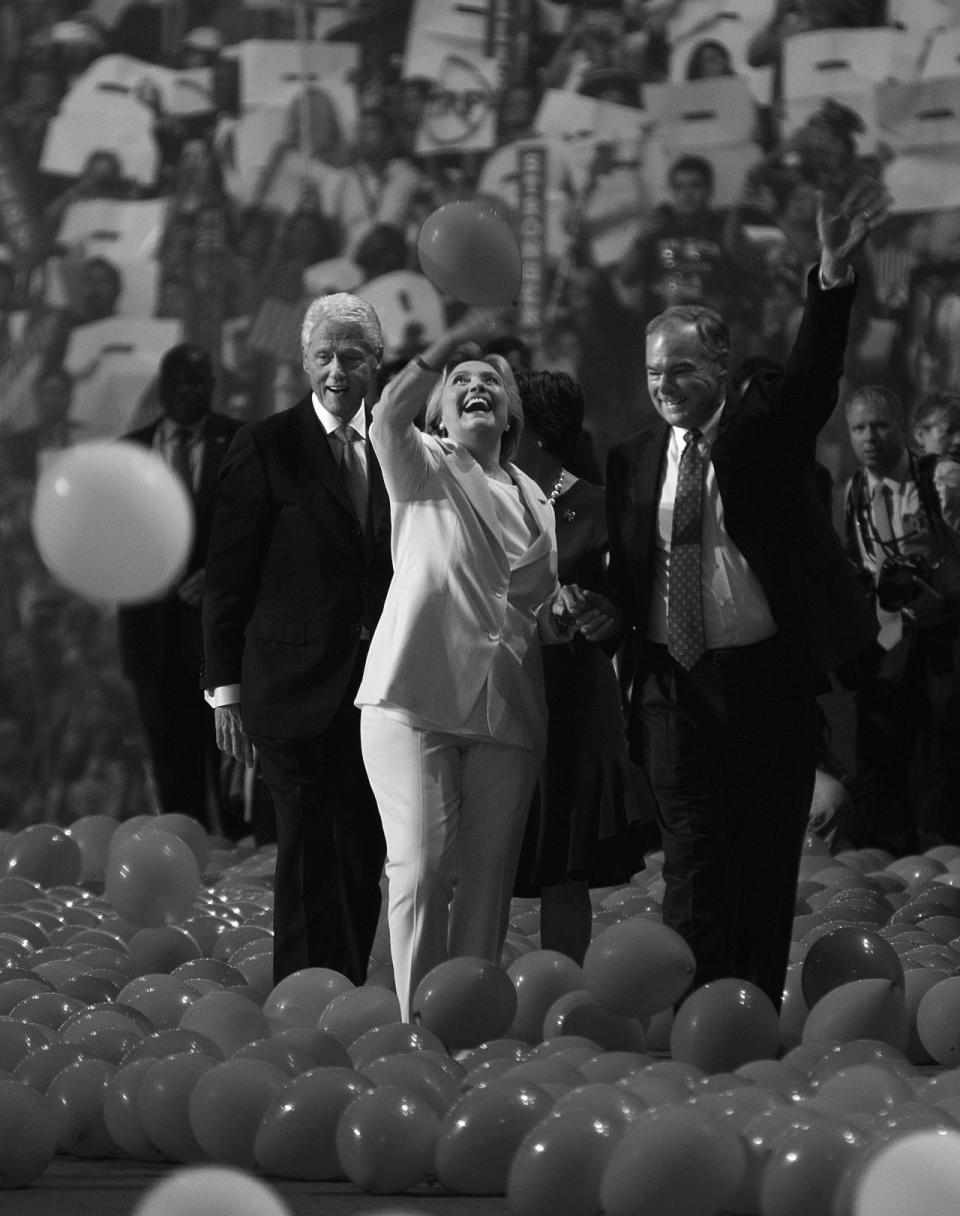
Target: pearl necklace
(557,486)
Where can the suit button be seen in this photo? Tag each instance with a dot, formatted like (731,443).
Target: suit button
(354,629)
(493,635)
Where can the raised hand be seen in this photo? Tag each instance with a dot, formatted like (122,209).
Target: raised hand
(844,223)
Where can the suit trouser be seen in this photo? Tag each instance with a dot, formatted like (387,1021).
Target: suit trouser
(453,812)
(178,727)
(730,749)
(330,847)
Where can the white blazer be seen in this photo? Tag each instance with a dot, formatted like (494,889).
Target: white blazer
(457,619)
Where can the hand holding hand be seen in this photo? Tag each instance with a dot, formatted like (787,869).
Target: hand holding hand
(600,619)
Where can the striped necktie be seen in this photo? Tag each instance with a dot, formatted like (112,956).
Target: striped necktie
(686,640)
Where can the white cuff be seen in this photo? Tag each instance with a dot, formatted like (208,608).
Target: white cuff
(226,694)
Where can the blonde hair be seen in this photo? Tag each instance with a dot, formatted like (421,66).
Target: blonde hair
(510,440)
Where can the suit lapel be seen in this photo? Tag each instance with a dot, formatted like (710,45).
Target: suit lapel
(321,466)
(539,509)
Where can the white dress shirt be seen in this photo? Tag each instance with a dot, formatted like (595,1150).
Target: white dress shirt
(735,608)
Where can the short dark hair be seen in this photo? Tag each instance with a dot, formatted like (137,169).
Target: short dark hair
(553,408)
(693,164)
(711,328)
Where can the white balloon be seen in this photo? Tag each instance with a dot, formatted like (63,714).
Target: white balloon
(918,1173)
(113,522)
(213,1190)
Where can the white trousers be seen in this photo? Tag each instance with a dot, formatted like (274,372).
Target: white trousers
(453,812)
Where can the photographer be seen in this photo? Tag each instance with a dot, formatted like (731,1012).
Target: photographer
(908,706)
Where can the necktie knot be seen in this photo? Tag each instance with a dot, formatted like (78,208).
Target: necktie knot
(346,434)
(691,437)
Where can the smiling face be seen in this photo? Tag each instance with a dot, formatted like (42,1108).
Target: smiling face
(684,377)
(341,366)
(474,407)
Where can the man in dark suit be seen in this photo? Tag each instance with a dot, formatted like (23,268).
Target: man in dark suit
(298,568)
(160,641)
(724,563)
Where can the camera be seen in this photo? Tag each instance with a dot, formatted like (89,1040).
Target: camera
(900,580)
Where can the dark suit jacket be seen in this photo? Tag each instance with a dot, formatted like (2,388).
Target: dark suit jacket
(772,510)
(148,631)
(292,579)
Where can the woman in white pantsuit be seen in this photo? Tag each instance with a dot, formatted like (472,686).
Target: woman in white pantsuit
(453,719)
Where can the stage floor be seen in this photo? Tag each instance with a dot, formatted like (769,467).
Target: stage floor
(71,1186)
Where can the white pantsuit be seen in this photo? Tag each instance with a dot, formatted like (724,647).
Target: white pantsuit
(454,717)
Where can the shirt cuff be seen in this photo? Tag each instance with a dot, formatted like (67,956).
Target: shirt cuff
(847,279)
(226,694)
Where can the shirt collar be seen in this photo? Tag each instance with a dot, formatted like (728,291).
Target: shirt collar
(330,422)
(708,431)
(169,429)
(896,480)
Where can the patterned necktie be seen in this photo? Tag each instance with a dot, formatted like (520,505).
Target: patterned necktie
(352,468)
(685,635)
(180,456)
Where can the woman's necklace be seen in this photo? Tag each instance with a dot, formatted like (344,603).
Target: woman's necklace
(557,487)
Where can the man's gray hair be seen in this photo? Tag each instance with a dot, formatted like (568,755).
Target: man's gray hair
(342,306)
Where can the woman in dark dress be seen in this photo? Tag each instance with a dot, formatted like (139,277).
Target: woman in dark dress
(591,816)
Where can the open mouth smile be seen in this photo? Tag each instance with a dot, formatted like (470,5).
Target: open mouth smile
(476,405)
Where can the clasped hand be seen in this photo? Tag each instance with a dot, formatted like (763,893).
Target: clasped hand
(589,612)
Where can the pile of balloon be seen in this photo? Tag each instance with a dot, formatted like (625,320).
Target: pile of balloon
(139,1019)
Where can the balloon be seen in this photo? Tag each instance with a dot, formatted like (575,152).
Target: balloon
(481,1133)
(39,1067)
(93,834)
(539,977)
(293,1060)
(297,1135)
(389,1039)
(324,1049)
(46,1008)
(213,1190)
(385,1140)
(18,1039)
(578,1013)
(227,1104)
(228,1018)
(121,1117)
(867,1088)
(351,1013)
(44,854)
(918,1173)
(112,521)
(422,1077)
(162,948)
(724,1024)
(14,888)
(673,1160)
(468,251)
(806,1166)
(191,831)
(28,1134)
(299,999)
(844,954)
(863,1009)
(938,1021)
(465,1001)
(162,1103)
(638,967)
(152,878)
(76,1096)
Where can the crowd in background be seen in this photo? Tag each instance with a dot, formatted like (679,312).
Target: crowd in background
(153,190)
